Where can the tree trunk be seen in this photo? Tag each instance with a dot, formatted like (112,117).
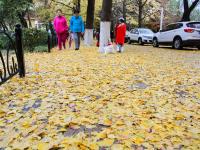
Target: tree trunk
(78,5)
(22,19)
(186,16)
(105,24)
(89,23)
(5,28)
(46,3)
(140,11)
(124,10)
(29,20)
(188,10)
(106,10)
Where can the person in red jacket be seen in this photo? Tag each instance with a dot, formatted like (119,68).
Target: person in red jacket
(120,34)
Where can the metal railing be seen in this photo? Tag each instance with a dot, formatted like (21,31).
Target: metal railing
(11,55)
(52,38)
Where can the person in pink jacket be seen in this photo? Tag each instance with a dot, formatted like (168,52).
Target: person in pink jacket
(61,28)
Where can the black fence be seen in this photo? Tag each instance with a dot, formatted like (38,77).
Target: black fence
(11,54)
(52,38)
(12,51)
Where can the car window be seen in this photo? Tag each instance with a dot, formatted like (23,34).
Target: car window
(145,31)
(166,28)
(179,25)
(136,31)
(194,25)
(173,26)
(132,31)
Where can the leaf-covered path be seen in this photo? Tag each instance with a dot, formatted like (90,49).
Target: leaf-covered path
(143,98)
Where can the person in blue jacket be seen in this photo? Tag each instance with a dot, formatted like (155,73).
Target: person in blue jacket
(77,28)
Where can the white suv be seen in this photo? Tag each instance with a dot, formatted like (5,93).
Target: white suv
(178,35)
(140,35)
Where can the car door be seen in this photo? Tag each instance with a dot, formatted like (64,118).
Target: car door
(131,34)
(165,35)
(136,35)
(174,31)
(161,35)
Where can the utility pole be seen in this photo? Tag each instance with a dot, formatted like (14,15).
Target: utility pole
(161,18)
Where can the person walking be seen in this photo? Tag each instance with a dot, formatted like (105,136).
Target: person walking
(115,32)
(61,28)
(77,28)
(120,34)
(97,37)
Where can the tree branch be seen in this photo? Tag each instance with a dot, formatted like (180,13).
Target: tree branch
(147,14)
(58,2)
(194,4)
(144,3)
(186,5)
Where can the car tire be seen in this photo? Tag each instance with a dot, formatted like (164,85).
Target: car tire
(178,44)
(140,41)
(129,41)
(155,42)
(198,47)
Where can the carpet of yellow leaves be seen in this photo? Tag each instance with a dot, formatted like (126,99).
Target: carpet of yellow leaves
(144,98)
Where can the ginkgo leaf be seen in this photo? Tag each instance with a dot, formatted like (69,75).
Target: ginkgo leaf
(105,142)
(117,147)
(43,146)
(141,98)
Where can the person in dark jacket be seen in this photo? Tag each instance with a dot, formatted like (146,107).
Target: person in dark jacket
(98,37)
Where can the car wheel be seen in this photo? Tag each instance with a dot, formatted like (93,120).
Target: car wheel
(155,42)
(129,41)
(140,41)
(198,47)
(178,44)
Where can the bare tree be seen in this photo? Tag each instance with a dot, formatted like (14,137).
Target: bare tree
(62,3)
(137,9)
(124,9)
(141,5)
(188,9)
(106,14)
(89,22)
(77,4)
(106,10)
(46,3)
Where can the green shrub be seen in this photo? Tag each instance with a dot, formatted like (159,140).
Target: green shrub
(2,42)
(5,41)
(33,38)
(41,48)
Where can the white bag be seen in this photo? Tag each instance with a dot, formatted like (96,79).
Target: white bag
(109,49)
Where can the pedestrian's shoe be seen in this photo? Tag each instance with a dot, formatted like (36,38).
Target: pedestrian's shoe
(77,49)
